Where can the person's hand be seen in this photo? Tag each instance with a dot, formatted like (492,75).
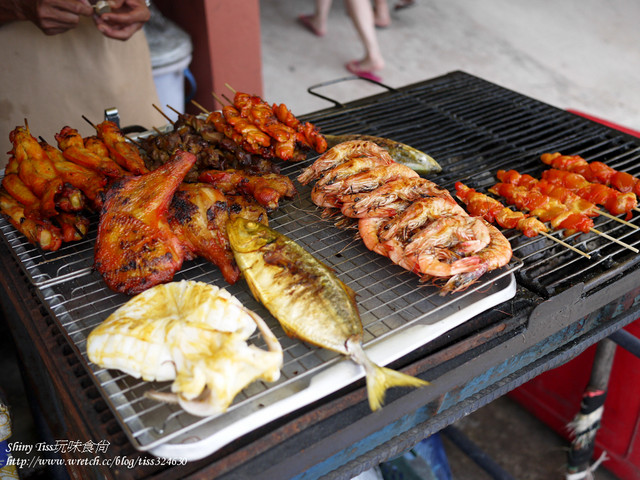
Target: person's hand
(125,19)
(54,16)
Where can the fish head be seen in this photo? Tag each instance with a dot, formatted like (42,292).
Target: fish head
(248,236)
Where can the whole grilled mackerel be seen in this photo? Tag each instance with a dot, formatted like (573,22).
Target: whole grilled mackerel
(308,300)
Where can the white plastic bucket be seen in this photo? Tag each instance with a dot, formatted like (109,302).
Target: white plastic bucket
(171,50)
(169,81)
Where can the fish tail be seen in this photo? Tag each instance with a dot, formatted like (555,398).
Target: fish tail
(380,379)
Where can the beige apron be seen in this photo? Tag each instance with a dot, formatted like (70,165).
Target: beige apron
(53,80)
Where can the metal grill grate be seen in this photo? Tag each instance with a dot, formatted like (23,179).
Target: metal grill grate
(474,128)
(392,302)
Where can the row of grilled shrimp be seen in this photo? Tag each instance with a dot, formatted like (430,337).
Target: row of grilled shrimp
(405,217)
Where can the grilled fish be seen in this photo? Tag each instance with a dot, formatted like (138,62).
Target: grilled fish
(308,299)
(411,157)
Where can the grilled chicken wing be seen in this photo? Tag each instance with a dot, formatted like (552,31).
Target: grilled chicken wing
(38,173)
(74,150)
(135,247)
(92,184)
(39,231)
(267,189)
(199,214)
(124,153)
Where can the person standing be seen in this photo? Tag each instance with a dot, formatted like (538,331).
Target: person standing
(365,19)
(61,61)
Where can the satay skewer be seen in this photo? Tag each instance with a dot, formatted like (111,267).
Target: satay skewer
(221,101)
(619,220)
(568,197)
(89,122)
(547,205)
(495,212)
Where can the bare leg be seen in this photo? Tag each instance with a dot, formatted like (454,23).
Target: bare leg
(361,13)
(381,13)
(317,22)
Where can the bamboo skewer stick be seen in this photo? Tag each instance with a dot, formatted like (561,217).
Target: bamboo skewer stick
(163,114)
(204,110)
(174,110)
(565,244)
(619,242)
(136,142)
(613,217)
(233,90)
(89,122)
(220,100)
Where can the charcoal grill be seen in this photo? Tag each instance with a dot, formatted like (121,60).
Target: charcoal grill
(563,302)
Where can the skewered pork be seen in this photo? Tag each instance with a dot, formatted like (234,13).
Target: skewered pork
(38,231)
(38,173)
(593,171)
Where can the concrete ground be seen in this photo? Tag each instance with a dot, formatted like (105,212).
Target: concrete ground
(579,54)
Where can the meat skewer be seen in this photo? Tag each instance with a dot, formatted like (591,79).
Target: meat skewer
(615,202)
(597,172)
(566,196)
(493,211)
(551,210)
(121,151)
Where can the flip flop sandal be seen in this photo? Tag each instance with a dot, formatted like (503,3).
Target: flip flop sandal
(305,21)
(354,67)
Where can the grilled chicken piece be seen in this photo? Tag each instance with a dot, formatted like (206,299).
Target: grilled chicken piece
(135,247)
(39,175)
(74,150)
(267,189)
(74,226)
(39,231)
(199,214)
(89,182)
(192,333)
(123,152)
(18,190)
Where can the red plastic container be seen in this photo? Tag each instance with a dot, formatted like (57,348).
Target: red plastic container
(554,397)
